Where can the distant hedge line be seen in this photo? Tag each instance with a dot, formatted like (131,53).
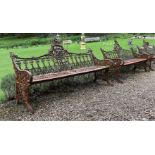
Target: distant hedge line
(24,43)
(14,41)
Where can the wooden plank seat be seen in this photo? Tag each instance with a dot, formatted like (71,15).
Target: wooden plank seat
(57,64)
(63,74)
(130,58)
(133,61)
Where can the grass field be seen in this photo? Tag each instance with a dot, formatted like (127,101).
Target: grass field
(6,64)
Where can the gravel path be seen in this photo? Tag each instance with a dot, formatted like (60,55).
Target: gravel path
(132,100)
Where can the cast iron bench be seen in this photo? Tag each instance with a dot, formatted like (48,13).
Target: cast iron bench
(147,49)
(57,64)
(130,58)
(139,53)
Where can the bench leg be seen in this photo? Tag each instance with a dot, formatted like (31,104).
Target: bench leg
(95,76)
(106,77)
(134,68)
(118,75)
(147,65)
(25,95)
(17,93)
(150,65)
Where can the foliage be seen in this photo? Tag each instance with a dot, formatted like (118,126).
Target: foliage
(43,39)
(8,86)
(75,38)
(23,35)
(19,40)
(22,42)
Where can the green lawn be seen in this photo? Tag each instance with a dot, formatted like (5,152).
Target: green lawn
(6,64)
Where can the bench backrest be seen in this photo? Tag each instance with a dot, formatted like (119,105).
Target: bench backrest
(150,50)
(122,53)
(141,50)
(147,48)
(135,50)
(109,54)
(58,59)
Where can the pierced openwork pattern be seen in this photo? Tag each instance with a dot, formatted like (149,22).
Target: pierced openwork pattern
(145,44)
(140,50)
(149,49)
(109,54)
(117,47)
(122,53)
(133,49)
(48,64)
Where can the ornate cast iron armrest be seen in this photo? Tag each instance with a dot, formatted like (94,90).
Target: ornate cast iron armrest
(149,54)
(118,61)
(96,61)
(146,56)
(24,76)
(108,62)
(105,62)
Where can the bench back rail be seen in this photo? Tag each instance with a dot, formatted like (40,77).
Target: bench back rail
(147,48)
(54,61)
(122,53)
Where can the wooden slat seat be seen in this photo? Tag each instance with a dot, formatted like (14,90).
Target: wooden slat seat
(64,74)
(133,61)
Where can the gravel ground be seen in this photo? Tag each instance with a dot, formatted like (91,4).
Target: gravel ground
(132,100)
